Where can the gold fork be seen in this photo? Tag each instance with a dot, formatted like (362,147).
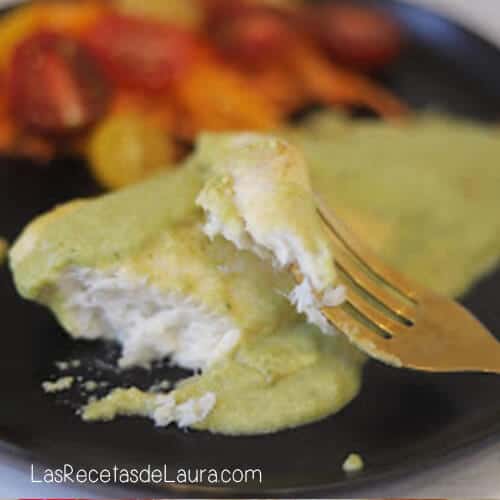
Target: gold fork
(398,321)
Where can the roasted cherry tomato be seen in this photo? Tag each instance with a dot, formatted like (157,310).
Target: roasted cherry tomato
(362,37)
(54,85)
(258,36)
(126,148)
(141,53)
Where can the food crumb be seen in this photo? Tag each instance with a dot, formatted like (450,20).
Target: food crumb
(90,385)
(162,408)
(353,463)
(4,246)
(59,385)
(119,402)
(164,385)
(66,365)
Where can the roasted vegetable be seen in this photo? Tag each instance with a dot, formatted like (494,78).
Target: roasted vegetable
(185,13)
(142,54)
(214,97)
(55,86)
(146,72)
(359,36)
(127,148)
(332,84)
(67,17)
(260,37)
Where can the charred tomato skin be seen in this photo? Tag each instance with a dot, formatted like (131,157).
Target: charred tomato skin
(142,54)
(256,36)
(363,37)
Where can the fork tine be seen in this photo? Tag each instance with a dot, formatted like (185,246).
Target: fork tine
(391,301)
(383,321)
(364,338)
(387,274)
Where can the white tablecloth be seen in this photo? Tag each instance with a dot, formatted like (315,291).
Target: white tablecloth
(477,475)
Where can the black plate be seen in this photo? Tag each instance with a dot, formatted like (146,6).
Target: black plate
(401,421)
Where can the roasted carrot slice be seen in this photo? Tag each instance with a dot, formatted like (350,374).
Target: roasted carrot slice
(213,96)
(279,84)
(332,84)
(72,17)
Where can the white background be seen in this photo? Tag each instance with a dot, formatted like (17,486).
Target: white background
(475,475)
